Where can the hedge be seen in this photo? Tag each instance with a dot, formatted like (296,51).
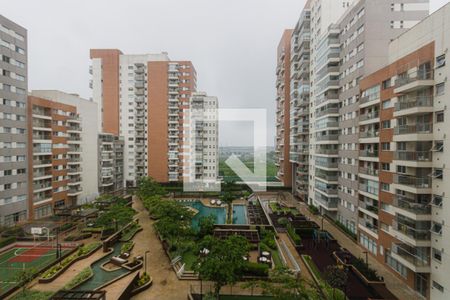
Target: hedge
(294,236)
(78,237)
(255,269)
(7,241)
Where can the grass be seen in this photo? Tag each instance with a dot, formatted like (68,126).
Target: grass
(276,258)
(79,278)
(32,295)
(129,233)
(329,292)
(189,259)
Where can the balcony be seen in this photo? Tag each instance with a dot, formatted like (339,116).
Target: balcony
(411,205)
(42,137)
(408,256)
(326,190)
(327,177)
(369,171)
(73,191)
(368,189)
(368,153)
(326,97)
(327,111)
(369,117)
(413,105)
(415,236)
(420,128)
(40,162)
(414,81)
(327,151)
(368,226)
(369,134)
(413,181)
(39,187)
(74,128)
(414,158)
(327,203)
(327,137)
(370,207)
(42,150)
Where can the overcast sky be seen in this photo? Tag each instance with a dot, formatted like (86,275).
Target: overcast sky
(232,44)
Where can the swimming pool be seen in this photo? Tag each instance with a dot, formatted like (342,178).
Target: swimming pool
(239,214)
(203,211)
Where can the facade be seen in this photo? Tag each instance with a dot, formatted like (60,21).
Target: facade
(366,30)
(54,135)
(324,87)
(403,223)
(203,141)
(87,160)
(13,123)
(110,163)
(299,105)
(142,98)
(282,143)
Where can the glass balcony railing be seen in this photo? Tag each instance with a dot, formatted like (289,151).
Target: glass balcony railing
(407,253)
(413,155)
(411,205)
(413,181)
(369,171)
(420,128)
(413,77)
(411,232)
(414,102)
(368,153)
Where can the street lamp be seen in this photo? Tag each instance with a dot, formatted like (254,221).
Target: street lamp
(145,260)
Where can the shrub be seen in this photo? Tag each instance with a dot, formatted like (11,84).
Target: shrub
(345,229)
(126,247)
(255,269)
(364,269)
(78,237)
(143,279)
(66,226)
(7,241)
(294,236)
(79,278)
(314,210)
(283,221)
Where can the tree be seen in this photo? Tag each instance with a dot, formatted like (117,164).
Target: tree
(116,213)
(24,277)
(206,225)
(336,276)
(147,186)
(227,197)
(285,285)
(224,263)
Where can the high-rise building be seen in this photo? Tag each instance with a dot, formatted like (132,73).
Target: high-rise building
(142,98)
(299,105)
(110,163)
(202,142)
(365,32)
(13,123)
(86,120)
(403,211)
(324,98)
(283,102)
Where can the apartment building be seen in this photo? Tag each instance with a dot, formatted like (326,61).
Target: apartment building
(110,163)
(142,98)
(202,142)
(366,30)
(403,172)
(283,82)
(86,140)
(13,123)
(324,87)
(299,105)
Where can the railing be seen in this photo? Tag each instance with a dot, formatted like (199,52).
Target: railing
(324,98)
(327,137)
(326,164)
(413,155)
(416,234)
(411,205)
(368,189)
(38,186)
(42,150)
(330,110)
(369,207)
(327,151)
(367,224)
(42,137)
(413,77)
(369,134)
(411,129)
(42,162)
(328,191)
(412,102)
(369,171)
(417,182)
(369,98)
(369,116)
(368,153)
(413,259)
(326,176)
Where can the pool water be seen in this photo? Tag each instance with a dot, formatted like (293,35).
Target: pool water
(239,214)
(219,213)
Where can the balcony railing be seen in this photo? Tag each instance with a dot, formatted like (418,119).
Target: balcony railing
(416,234)
(412,181)
(369,116)
(327,137)
(414,129)
(413,102)
(401,250)
(369,207)
(411,205)
(413,155)
(413,77)
(369,171)
(42,162)
(327,151)
(330,110)
(369,225)
(368,153)
(368,189)
(326,177)
(369,134)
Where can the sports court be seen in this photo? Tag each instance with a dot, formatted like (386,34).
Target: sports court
(26,256)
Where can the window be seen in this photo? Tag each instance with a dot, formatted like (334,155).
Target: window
(386,146)
(7,172)
(7,186)
(437,200)
(437,286)
(440,89)
(385,167)
(439,116)
(386,124)
(437,254)
(440,61)
(401,169)
(436,228)
(387,104)
(385,187)
(395,265)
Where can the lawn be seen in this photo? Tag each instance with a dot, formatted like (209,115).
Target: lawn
(32,295)
(189,259)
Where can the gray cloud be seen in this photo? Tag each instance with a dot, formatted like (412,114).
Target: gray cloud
(232,43)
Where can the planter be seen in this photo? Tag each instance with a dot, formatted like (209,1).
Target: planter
(54,276)
(132,266)
(357,272)
(86,279)
(141,288)
(133,235)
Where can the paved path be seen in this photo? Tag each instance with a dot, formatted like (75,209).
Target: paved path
(304,271)
(394,284)
(165,283)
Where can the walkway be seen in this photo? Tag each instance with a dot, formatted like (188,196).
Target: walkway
(394,284)
(304,271)
(165,283)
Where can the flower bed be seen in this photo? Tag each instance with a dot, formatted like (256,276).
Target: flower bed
(81,277)
(126,247)
(83,252)
(130,232)
(143,283)
(77,237)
